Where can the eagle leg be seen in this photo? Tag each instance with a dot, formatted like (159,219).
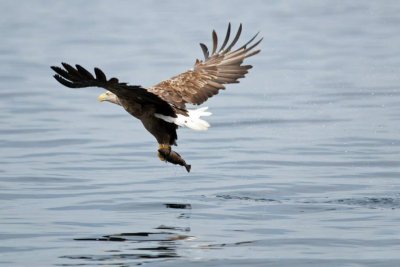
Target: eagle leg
(165,153)
(165,149)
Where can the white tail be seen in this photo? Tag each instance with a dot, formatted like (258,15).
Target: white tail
(192,121)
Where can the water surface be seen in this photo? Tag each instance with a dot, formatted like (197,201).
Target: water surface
(299,168)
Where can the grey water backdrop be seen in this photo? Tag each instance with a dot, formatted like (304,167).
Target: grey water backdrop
(299,168)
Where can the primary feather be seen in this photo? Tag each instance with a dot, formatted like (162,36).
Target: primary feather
(209,76)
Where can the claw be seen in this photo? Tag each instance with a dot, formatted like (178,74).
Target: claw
(161,157)
(166,149)
(166,154)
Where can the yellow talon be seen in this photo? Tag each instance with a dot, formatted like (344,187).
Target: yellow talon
(161,157)
(163,146)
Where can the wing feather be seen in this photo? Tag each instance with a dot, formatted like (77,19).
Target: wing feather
(215,42)
(235,39)
(228,33)
(79,77)
(209,76)
(100,76)
(84,72)
(205,50)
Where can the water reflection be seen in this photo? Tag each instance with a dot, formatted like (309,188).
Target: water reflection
(140,236)
(119,256)
(157,244)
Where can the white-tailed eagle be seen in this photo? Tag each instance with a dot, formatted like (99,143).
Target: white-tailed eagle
(162,107)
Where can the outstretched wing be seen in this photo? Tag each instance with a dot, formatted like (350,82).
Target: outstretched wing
(209,76)
(79,77)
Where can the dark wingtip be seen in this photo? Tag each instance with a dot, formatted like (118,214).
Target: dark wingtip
(206,53)
(215,42)
(100,75)
(64,81)
(66,65)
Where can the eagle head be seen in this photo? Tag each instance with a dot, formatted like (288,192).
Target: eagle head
(108,96)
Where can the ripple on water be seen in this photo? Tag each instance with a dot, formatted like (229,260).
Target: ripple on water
(300,166)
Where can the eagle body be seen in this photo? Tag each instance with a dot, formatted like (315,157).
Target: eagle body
(162,107)
(164,132)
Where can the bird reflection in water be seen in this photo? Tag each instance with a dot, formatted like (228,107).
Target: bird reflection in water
(161,243)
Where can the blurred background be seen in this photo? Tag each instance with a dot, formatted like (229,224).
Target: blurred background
(299,168)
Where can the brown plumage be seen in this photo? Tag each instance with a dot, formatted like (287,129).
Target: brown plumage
(208,76)
(162,108)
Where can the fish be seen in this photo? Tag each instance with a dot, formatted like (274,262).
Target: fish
(173,157)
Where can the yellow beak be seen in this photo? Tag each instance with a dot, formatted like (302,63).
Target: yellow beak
(102,97)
